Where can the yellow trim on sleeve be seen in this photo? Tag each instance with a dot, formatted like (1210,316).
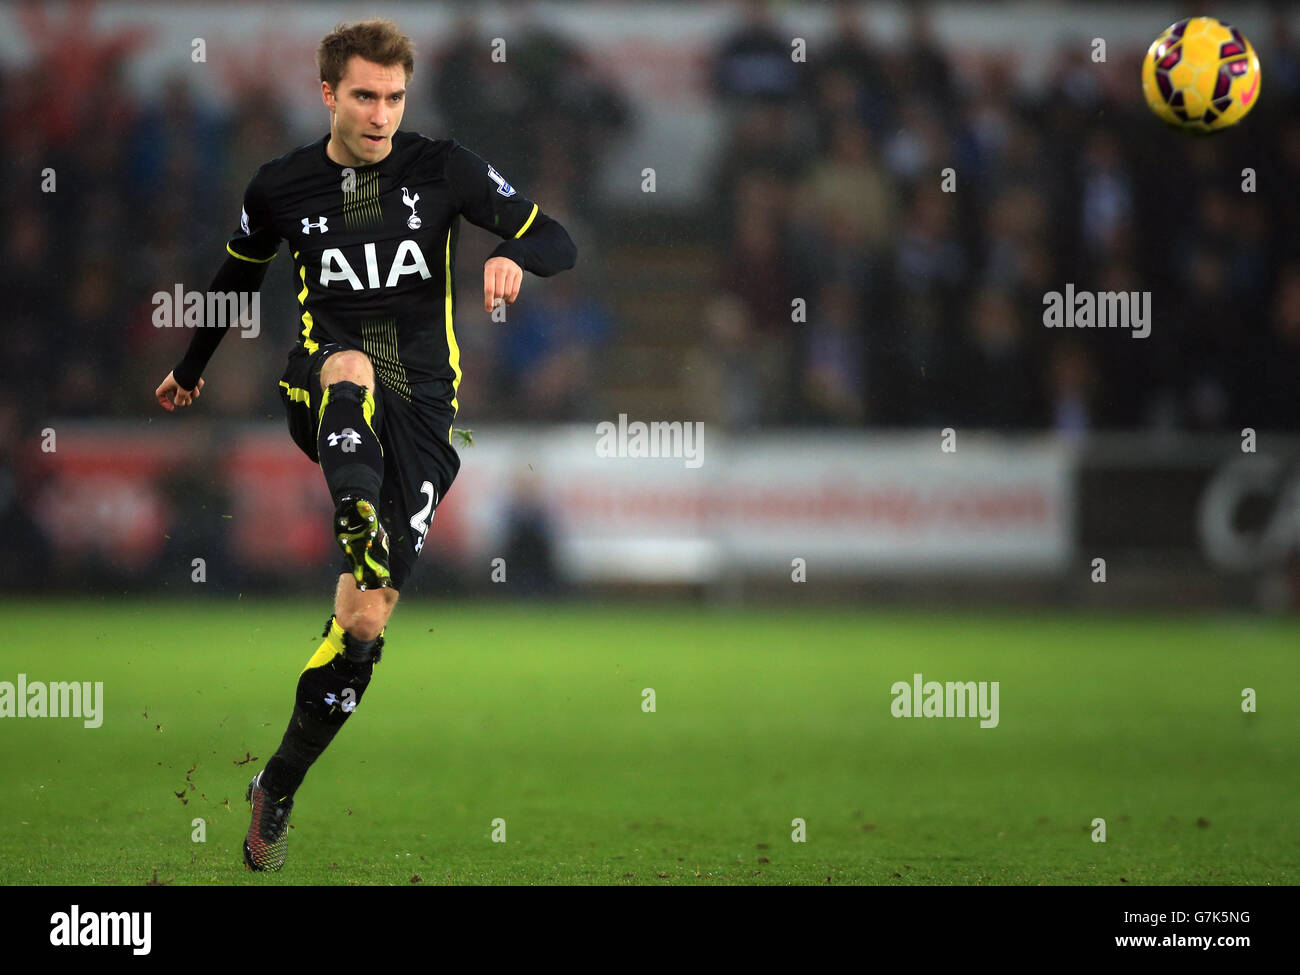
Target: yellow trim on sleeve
(260,260)
(527,223)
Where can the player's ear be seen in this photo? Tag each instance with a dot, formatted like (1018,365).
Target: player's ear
(327,95)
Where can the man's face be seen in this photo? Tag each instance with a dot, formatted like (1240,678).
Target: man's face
(365,110)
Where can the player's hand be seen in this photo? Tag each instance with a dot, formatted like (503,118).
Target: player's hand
(170,392)
(501,279)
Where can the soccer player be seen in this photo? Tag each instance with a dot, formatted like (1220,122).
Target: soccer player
(371,217)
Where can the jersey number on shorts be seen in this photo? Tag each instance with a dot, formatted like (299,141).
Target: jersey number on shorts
(420,520)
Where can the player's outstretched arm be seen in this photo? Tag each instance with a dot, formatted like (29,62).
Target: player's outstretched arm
(183,383)
(531,240)
(544,250)
(251,248)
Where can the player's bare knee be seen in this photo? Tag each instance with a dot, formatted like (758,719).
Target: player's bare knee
(350,366)
(364,622)
(365,626)
(363,614)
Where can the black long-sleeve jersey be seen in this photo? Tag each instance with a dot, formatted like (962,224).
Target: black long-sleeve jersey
(374,249)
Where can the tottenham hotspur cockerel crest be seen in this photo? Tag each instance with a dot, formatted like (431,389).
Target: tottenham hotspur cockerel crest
(413,221)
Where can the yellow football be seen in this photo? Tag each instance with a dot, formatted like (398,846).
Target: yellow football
(1201,76)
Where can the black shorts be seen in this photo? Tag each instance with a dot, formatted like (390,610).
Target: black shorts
(415,435)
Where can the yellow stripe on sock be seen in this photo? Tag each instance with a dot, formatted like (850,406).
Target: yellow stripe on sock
(368,409)
(328,650)
(320,412)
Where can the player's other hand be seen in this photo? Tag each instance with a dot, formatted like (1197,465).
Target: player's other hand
(170,392)
(501,279)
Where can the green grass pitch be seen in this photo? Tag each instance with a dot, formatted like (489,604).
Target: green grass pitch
(533,715)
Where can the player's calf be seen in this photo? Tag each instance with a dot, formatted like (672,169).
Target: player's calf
(347,444)
(330,689)
(353,463)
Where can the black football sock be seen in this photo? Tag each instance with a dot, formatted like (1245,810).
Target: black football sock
(329,690)
(347,444)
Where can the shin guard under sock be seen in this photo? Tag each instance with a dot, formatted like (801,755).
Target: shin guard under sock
(346,443)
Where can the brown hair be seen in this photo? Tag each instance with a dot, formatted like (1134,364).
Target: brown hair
(375,40)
